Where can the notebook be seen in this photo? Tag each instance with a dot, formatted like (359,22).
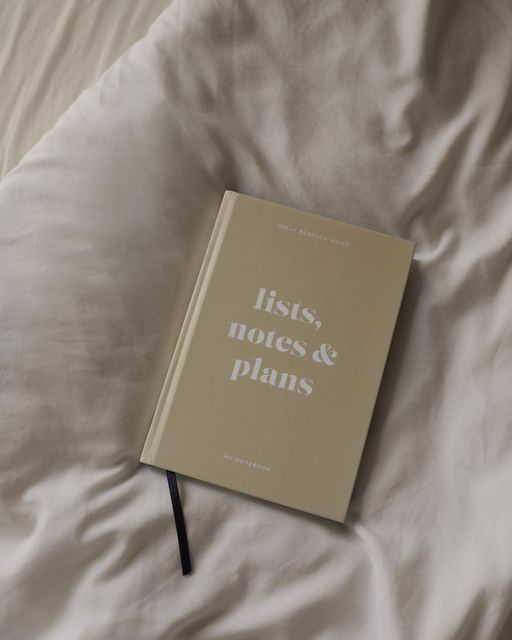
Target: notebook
(273,381)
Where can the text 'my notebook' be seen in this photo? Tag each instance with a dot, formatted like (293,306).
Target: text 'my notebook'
(275,374)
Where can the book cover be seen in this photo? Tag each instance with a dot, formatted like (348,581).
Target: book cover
(274,377)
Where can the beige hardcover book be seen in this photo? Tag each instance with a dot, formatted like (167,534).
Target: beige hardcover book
(275,374)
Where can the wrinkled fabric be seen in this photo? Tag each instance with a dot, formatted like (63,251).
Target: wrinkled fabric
(50,50)
(392,115)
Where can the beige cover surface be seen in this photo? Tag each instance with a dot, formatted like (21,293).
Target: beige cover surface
(391,115)
(284,343)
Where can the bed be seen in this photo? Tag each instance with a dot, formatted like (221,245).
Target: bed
(395,116)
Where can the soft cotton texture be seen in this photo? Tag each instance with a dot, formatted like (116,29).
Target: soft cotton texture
(50,50)
(390,115)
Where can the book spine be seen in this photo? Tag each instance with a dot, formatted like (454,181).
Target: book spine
(165,400)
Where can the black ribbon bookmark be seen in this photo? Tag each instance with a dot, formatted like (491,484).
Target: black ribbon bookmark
(180,522)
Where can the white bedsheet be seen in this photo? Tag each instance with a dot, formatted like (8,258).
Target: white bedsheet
(391,115)
(50,51)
